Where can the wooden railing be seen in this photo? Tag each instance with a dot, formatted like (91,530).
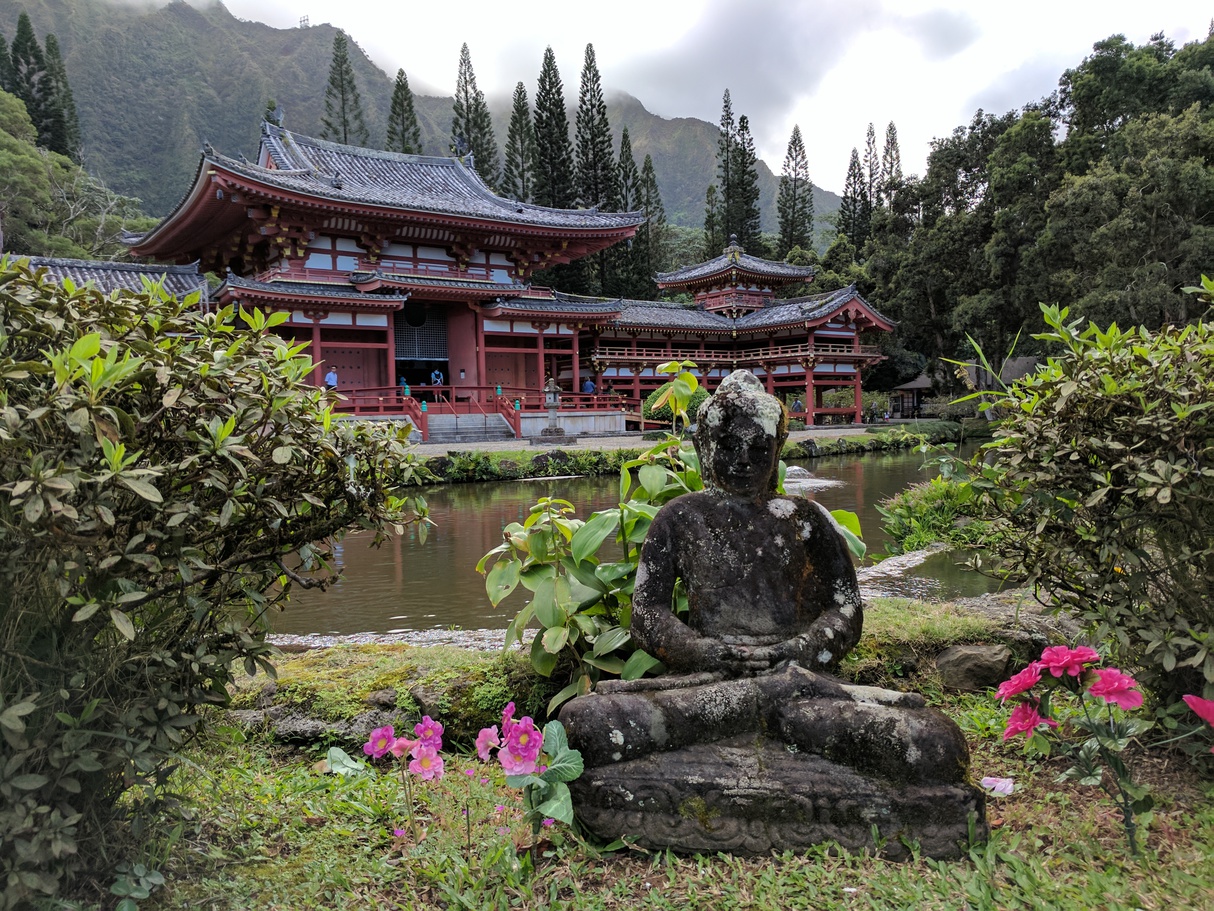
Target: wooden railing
(704,359)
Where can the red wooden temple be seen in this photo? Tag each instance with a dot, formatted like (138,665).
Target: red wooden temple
(396,266)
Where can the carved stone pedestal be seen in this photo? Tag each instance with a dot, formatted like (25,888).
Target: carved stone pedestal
(751,795)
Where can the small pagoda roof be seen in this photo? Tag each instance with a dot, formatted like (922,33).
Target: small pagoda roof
(816,308)
(327,295)
(734,266)
(462,286)
(544,302)
(113,276)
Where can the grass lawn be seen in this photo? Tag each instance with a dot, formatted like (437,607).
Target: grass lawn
(274,830)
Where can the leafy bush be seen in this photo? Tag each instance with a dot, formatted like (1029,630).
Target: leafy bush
(937,510)
(657,403)
(163,478)
(1103,476)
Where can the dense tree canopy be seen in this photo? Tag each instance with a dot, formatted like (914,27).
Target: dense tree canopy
(404,134)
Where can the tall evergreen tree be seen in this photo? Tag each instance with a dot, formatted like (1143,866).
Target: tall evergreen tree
(553,151)
(597,184)
(854,208)
(872,168)
(63,100)
(891,165)
(518,179)
(795,201)
(343,121)
(725,187)
(745,173)
(471,126)
(32,83)
(404,134)
(629,176)
(714,223)
(6,67)
(651,236)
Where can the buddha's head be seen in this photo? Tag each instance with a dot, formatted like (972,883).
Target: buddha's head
(740,431)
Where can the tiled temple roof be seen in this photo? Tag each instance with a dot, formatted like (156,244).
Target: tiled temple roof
(445,186)
(325,290)
(734,258)
(438,281)
(111,276)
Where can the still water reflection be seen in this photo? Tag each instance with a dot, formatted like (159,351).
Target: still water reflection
(406,585)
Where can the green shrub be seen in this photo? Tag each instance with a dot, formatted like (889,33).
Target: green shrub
(163,476)
(939,510)
(1103,476)
(663,412)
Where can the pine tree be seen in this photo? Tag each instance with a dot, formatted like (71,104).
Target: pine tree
(891,165)
(629,176)
(853,209)
(795,201)
(518,179)
(343,121)
(745,173)
(651,236)
(6,67)
(714,217)
(725,190)
(404,134)
(872,168)
(553,151)
(63,100)
(471,126)
(32,83)
(596,173)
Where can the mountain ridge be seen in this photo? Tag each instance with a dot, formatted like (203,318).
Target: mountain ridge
(197,74)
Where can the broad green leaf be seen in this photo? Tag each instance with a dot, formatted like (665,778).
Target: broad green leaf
(653,479)
(342,763)
(638,663)
(566,765)
(142,488)
(502,580)
(543,661)
(555,639)
(559,806)
(610,640)
(123,622)
(588,538)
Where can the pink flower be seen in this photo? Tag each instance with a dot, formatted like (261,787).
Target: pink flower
(1020,683)
(486,740)
(1059,660)
(549,823)
(430,732)
(515,763)
(1203,707)
(400,833)
(1116,687)
(1001,786)
(426,764)
(1025,719)
(507,718)
(380,742)
(401,746)
(525,739)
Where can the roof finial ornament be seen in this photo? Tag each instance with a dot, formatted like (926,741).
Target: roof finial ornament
(734,250)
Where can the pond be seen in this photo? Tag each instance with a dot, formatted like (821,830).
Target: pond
(406,585)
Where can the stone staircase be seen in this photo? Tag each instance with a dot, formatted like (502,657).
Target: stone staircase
(469,428)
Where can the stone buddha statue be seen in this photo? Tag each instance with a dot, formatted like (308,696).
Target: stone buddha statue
(750,743)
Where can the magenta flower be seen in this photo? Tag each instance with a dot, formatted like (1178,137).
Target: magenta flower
(507,718)
(1000,786)
(1025,719)
(401,746)
(1020,683)
(1203,707)
(486,740)
(430,732)
(1059,660)
(427,764)
(525,739)
(549,823)
(380,742)
(1116,687)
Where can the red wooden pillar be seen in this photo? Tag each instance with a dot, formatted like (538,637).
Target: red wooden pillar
(317,354)
(482,369)
(390,350)
(859,404)
(577,382)
(636,371)
(811,395)
(539,352)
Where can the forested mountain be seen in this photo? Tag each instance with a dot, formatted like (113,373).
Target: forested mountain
(153,84)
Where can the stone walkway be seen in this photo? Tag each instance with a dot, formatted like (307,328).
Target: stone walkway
(620,441)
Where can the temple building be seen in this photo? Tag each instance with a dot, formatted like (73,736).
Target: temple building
(412,280)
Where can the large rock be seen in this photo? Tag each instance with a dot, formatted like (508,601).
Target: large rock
(751,795)
(970,668)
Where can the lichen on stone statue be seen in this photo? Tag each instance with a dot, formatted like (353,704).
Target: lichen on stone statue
(773,606)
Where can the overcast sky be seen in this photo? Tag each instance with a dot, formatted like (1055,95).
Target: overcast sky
(831,67)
